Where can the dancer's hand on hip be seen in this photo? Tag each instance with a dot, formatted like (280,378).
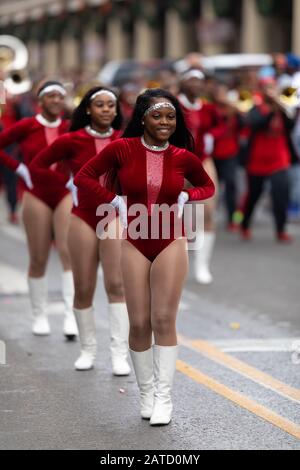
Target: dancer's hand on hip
(24,173)
(119,204)
(74,191)
(181,201)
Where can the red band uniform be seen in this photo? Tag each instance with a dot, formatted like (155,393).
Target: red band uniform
(146,177)
(74,149)
(33,134)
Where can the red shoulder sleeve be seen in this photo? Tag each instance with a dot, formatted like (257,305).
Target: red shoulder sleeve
(204,187)
(88,177)
(14,134)
(60,150)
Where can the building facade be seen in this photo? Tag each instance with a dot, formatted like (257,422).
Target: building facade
(72,34)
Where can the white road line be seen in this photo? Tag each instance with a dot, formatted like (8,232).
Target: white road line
(256,345)
(12,281)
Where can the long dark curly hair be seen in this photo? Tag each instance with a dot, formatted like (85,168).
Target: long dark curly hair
(81,119)
(181,138)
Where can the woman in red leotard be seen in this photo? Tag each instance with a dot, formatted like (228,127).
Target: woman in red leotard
(151,163)
(46,206)
(95,123)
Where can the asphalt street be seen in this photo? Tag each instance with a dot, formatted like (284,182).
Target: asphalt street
(237,384)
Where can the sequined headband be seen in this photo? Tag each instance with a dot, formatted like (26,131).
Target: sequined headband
(50,88)
(104,92)
(163,104)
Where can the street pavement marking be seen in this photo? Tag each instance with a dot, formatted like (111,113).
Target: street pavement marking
(239,399)
(12,281)
(256,345)
(236,365)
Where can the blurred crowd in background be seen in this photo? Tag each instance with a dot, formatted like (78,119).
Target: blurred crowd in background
(234,84)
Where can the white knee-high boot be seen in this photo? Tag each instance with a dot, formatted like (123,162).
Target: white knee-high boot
(202,259)
(119,333)
(70,329)
(87,335)
(164,369)
(143,368)
(38,297)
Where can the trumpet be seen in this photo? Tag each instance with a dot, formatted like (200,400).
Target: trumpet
(13,63)
(289,97)
(241,99)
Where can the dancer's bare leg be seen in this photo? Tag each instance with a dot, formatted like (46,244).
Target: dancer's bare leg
(83,248)
(110,258)
(61,222)
(167,277)
(37,218)
(136,275)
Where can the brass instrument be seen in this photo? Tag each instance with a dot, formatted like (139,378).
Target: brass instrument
(288,87)
(241,99)
(289,97)
(13,63)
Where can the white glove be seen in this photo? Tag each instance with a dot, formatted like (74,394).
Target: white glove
(119,204)
(209,142)
(74,191)
(182,199)
(24,173)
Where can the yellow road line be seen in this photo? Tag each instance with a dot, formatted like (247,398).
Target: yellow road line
(239,399)
(242,368)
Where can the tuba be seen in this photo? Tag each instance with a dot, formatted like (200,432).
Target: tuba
(13,63)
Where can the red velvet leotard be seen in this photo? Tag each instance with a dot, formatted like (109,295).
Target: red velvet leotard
(74,149)
(146,177)
(32,136)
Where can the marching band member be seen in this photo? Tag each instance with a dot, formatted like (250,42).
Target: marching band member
(95,123)
(46,207)
(149,166)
